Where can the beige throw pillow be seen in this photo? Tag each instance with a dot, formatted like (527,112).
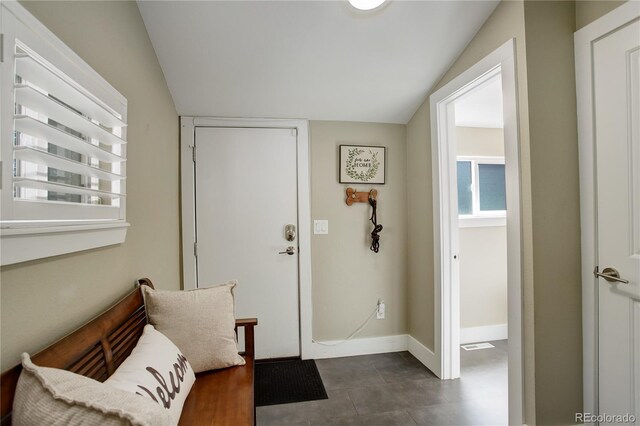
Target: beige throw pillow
(200,322)
(50,396)
(156,370)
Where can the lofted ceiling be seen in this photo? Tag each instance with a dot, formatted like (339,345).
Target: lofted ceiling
(319,60)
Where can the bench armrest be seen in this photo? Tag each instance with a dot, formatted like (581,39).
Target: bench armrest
(248,324)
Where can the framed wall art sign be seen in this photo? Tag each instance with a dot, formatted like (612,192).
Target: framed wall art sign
(362,164)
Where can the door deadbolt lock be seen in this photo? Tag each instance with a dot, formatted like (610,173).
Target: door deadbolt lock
(290,251)
(290,232)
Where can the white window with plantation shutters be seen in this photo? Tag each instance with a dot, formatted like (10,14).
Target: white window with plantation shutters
(63,146)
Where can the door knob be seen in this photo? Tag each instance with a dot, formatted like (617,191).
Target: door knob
(290,251)
(611,275)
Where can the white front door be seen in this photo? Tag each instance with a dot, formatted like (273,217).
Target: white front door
(246,195)
(616,90)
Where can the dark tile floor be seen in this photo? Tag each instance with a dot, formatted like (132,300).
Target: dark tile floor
(396,389)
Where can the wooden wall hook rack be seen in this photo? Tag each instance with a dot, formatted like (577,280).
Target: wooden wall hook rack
(360,197)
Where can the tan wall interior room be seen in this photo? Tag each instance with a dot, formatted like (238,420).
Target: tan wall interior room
(218,142)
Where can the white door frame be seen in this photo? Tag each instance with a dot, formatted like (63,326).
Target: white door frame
(445,220)
(187,174)
(583,40)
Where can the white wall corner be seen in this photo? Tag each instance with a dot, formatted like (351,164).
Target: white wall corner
(364,346)
(424,355)
(483,334)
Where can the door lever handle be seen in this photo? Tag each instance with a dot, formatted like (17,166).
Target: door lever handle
(611,275)
(290,251)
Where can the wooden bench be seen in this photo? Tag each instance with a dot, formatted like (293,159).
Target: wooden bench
(220,397)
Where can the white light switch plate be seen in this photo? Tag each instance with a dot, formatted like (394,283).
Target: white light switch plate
(320,227)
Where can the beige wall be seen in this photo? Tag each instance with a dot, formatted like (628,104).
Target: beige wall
(556,210)
(483,250)
(420,222)
(506,22)
(588,11)
(348,278)
(44,300)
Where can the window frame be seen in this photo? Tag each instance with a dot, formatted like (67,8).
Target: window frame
(66,228)
(480,218)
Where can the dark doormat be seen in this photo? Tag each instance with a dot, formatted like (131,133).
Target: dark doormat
(283,382)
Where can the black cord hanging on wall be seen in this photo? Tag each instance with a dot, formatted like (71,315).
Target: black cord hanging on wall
(375,234)
(372,198)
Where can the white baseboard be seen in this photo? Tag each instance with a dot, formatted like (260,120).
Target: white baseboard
(364,346)
(483,334)
(378,345)
(404,342)
(424,355)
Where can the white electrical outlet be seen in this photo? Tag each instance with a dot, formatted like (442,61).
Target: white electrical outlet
(381,310)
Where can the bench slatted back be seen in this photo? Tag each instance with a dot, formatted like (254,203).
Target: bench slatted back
(95,350)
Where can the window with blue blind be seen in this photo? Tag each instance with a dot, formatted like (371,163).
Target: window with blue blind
(465,194)
(491,187)
(481,187)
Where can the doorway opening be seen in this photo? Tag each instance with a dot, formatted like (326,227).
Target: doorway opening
(482,242)
(482,211)
(476,196)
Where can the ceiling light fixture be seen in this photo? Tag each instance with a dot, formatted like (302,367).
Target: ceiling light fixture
(366,4)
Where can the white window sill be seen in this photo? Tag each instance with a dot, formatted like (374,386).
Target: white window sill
(481,221)
(24,243)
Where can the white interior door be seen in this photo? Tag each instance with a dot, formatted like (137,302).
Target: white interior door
(246,194)
(616,71)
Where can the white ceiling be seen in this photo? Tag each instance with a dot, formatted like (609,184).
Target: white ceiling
(319,60)
(482,107)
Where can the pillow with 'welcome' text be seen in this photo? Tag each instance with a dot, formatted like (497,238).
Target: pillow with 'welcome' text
(157,370)
(56,397)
